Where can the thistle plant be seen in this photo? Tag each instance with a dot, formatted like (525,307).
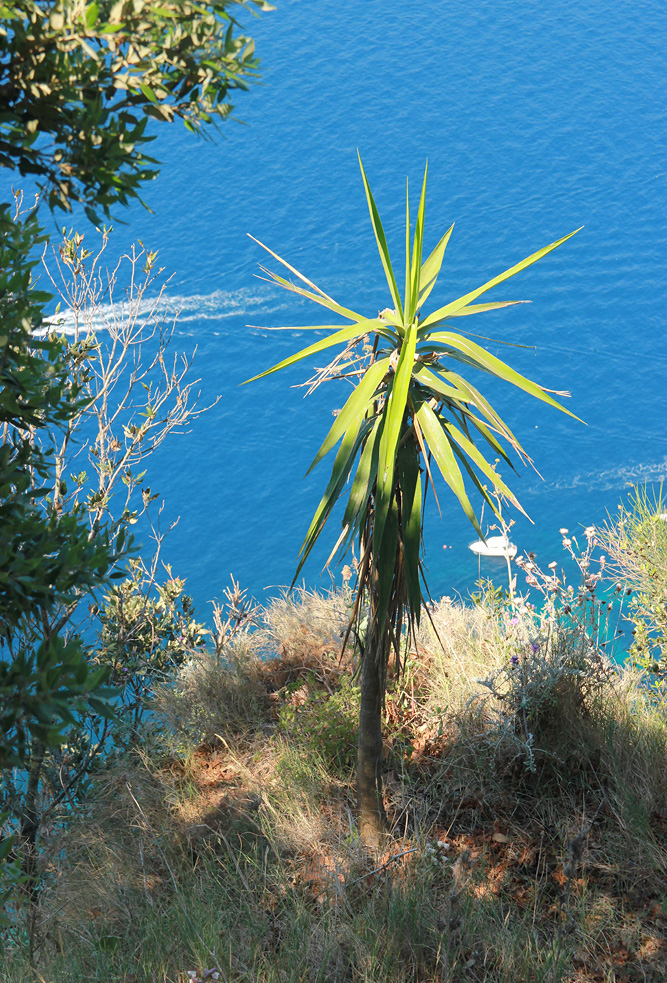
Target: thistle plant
(410,420)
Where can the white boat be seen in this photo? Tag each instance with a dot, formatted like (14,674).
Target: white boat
(494,546)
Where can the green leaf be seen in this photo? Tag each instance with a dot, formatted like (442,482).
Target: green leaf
(394,411)
(478,458)
(431,269)
(492,441)
(444,456)
(417,248)
(483,406)
(355,408)
(408,278)
(460,398)
(382,243)
(365,476)
(92,13)
(392,318)
(385,563)
(482,308)
(482,489)
(108,943)
(456,305)
(435,384)
(6,844)
(339,474)
(309,295)
(477,356)
(292,269)
(409,478)
(339,335)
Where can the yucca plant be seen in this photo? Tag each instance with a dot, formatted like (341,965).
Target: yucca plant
(410,416)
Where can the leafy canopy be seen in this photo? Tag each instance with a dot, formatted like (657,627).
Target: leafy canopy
(45,559)
(80,81)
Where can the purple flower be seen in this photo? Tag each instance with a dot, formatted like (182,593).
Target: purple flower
(514,620)
(515,660)
(534,648)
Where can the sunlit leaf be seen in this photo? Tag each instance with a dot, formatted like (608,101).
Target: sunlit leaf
(408,278)
(432,381)
(461,395)
(292,269)
(478,458)
(444,457)
(417,247)
(480,358)
(309,295)
(456,305)
(339,335)
(482,308)
(431,269)
(382,243)
(394,411)
(483,490)
(354,409)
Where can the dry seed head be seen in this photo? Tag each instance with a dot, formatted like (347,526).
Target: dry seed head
(461,868)
(578,845)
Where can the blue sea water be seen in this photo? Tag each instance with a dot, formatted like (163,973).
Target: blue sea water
(536,118)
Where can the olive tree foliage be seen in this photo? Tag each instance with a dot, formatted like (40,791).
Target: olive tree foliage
(119,332)
(79,83)
(46,560)
(125,396)
(411,420)
(117,329)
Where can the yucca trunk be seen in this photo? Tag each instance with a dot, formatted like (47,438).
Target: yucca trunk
(370,805)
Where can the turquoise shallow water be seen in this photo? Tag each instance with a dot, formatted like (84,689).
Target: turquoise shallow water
(536,118)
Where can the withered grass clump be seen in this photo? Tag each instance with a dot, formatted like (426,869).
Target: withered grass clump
(525,779)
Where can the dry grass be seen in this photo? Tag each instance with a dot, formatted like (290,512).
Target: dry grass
(232,844)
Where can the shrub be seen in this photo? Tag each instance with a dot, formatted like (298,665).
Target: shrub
(637,544)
